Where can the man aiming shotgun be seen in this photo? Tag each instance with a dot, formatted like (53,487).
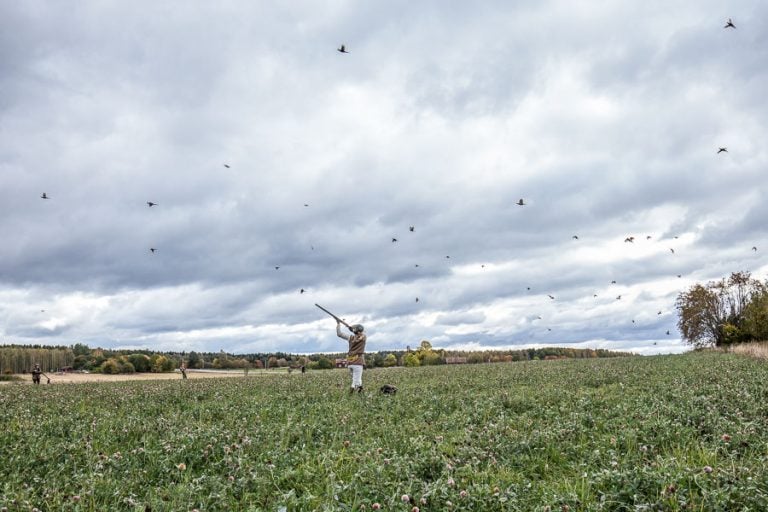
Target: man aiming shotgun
(355,354)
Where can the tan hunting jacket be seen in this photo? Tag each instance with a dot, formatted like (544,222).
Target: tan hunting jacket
(356,346)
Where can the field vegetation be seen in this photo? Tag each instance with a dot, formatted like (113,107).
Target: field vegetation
(686,432)
(759,350)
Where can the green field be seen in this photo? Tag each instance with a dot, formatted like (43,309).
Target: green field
(683,432)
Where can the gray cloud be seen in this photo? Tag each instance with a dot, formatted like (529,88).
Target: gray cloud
(606,120)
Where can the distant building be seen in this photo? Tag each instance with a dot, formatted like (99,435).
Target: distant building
(455,360)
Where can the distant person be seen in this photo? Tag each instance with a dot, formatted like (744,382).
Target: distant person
(303,369)
(36,373)
(355,355)
(183,369)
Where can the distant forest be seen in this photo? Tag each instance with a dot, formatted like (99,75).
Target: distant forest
(80,357)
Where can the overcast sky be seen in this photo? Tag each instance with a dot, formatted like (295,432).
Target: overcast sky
(264,147)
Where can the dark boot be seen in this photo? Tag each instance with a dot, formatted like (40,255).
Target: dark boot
(360,389)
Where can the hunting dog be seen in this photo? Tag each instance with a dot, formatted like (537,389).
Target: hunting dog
(388,389)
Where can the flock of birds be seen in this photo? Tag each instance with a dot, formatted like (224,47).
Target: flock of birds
(629,239)
(521,202)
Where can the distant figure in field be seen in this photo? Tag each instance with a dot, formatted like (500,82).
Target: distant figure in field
(303,369)
(36,372)
(183,369)
(355,355)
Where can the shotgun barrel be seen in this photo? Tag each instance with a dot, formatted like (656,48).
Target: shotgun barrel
(334,316)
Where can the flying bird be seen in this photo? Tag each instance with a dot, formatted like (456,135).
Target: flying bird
(729,24)
(417,299)
(648,237)
(613,282)
(151,204)
(551,297)
(520,202)
(416,265)
(302,290)
(630,239)
(411,229)
(44,196)
(722,150)
(575,237)
(618,297)
(528,288)
(305,204)
(672,250)
(447,257)
(226,165)
(667,333)
(633,320)
(152,250)
(679,275)
(394,240)
(342,49)
(754,248)
(277,268)
(594,295)
(658,313)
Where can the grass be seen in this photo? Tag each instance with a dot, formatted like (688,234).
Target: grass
(682,432)
(759,350)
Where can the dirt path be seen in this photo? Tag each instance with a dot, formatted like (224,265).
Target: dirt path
(75,378)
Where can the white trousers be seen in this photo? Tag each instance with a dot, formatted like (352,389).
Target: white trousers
(357,374)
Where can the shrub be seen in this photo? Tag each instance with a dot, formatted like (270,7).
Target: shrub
(110,366)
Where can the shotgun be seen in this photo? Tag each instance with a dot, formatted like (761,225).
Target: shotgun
(334,316)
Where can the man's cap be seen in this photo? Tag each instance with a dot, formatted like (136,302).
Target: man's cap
(357,328)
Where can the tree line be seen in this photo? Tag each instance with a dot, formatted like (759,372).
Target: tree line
(21,359)
(80,357)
